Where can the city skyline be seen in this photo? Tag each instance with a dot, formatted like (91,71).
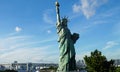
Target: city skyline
(28,32)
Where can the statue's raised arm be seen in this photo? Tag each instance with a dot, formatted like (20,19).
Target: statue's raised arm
(58,13)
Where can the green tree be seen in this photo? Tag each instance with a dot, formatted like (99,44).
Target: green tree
(117,69)
(98,63)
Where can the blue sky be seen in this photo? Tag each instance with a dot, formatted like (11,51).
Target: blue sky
(28,32)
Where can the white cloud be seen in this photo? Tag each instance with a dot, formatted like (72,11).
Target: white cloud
(39,54)
(88,7)
(23,49)
(76,8)
(48,31)
(47,17)
(110,12)
(112,54)
(110,44)
(12,42)
(18,29)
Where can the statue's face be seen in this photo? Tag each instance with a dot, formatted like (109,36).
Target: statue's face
(64,21)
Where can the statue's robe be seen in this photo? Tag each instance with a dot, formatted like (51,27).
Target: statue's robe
(67,51)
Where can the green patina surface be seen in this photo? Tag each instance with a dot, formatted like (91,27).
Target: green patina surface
(66,44)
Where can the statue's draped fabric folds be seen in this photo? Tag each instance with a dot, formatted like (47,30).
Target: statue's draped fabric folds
(66,44)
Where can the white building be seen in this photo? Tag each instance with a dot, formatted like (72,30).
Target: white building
(26,67)
(117,62)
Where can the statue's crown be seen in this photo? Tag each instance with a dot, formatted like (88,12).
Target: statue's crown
(65,19)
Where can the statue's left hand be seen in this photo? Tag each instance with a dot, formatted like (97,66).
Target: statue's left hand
(75,37)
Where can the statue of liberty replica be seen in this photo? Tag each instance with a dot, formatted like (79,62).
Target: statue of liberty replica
(67,62)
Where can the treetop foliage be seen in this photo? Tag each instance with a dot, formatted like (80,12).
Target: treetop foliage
(98,63)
